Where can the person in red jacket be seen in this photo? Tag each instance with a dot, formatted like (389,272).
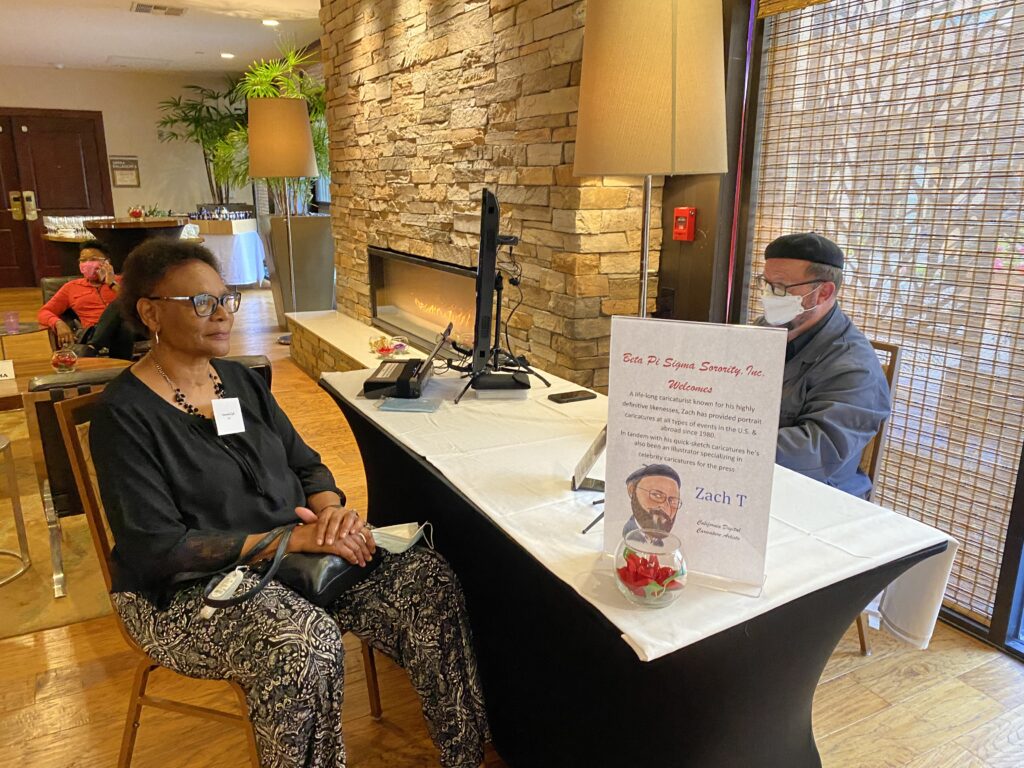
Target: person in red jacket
(87,296)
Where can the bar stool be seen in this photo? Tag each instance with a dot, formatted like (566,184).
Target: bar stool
(19,521)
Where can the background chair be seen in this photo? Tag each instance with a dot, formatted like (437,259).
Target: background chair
(53,468)
(49,286)
(889,357)
(73,416)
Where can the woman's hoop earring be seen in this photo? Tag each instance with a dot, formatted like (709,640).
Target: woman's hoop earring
(156,337)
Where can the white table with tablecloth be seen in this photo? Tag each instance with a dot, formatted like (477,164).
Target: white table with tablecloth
(574,674)
(513,459)
(241,256)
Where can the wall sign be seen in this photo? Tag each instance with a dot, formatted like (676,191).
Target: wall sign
(124,171)
(693,415)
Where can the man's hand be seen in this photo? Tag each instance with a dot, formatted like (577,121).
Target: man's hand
(106,274)
(336,531)
(65,336)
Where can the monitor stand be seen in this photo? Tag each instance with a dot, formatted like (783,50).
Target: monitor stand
(503,370)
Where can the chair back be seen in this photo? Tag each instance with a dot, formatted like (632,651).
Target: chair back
(73,416)
(49,286)
(889,358)
(50,457)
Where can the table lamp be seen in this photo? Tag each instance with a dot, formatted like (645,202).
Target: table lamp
(281,146)
(652,96)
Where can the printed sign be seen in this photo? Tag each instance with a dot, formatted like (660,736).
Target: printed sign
(693,414)
(6,369)
(124,171)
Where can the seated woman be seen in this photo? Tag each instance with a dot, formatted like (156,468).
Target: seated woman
(180,498)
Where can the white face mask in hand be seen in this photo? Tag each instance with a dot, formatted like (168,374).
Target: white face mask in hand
(396,539)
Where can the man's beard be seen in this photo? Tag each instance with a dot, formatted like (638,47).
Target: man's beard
(652,520)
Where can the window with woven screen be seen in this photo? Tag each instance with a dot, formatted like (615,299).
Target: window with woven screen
(897,130)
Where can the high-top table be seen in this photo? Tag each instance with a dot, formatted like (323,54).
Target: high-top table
(575,675)
(122,235)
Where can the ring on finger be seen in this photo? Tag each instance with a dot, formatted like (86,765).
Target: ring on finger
(360,535)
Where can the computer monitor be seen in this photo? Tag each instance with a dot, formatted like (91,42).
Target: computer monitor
(483,326)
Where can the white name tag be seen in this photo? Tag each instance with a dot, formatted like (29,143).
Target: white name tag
(227,412)
(6,369)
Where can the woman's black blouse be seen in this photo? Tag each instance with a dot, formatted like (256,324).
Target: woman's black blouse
(178,497)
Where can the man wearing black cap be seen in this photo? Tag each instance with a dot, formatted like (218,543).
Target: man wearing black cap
(834,393)
(654,498)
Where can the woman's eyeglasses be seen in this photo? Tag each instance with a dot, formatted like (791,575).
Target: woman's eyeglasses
(205,304)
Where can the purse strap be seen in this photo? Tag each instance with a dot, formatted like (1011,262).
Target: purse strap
(285,534)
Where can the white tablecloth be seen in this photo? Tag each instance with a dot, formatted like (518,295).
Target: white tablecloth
(240,256)
(513,459)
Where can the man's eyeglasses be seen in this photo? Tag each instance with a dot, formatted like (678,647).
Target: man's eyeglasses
(205,304)
(781,289)
(660,498)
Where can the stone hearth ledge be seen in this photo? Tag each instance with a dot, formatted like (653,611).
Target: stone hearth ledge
(327,340)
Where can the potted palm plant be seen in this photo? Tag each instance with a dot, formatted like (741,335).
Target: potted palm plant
(206,118)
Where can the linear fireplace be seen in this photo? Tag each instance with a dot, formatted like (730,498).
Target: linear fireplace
(417,298)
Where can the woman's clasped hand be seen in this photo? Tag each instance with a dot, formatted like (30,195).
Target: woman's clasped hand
(335,531)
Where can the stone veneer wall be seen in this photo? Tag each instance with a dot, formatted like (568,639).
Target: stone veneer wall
(315,354)
(431,100)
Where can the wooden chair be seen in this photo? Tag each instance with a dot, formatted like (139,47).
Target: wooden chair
(889,357)
(74,416)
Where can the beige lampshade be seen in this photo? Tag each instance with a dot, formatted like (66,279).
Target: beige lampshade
(280,142)
(652,89)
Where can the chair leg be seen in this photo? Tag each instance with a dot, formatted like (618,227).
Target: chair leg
(56,555)
(131,726)
(22,554)
(372,689)
(250,734)
(862,634)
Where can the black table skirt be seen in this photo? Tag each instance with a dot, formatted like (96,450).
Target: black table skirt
(563,688)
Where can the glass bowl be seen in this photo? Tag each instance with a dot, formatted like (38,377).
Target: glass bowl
(649,568)
(64,360)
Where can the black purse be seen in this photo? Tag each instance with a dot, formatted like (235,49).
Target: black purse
(321,579)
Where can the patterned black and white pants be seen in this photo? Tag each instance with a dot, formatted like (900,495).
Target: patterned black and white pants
(287,655)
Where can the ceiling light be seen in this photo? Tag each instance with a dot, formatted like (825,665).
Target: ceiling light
(227,55)
(270,22)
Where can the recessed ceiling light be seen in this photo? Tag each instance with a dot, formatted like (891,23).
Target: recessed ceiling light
(270,22)
(227,55)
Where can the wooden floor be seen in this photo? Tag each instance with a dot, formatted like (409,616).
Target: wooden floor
(63,691)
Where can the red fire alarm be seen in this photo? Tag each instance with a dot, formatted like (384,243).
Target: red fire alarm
(685,223)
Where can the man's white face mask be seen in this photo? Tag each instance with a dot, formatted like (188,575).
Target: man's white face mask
(780,310)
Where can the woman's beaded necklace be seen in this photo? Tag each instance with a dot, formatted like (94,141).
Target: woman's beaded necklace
(179,396)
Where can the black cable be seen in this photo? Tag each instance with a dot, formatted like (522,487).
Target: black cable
(515,280)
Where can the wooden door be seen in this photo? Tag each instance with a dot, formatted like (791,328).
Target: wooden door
(15,246)
(62,161)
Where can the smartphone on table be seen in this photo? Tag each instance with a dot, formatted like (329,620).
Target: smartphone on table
(572,396)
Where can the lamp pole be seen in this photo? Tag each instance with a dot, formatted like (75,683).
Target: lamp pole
(645,246)
(286,338)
